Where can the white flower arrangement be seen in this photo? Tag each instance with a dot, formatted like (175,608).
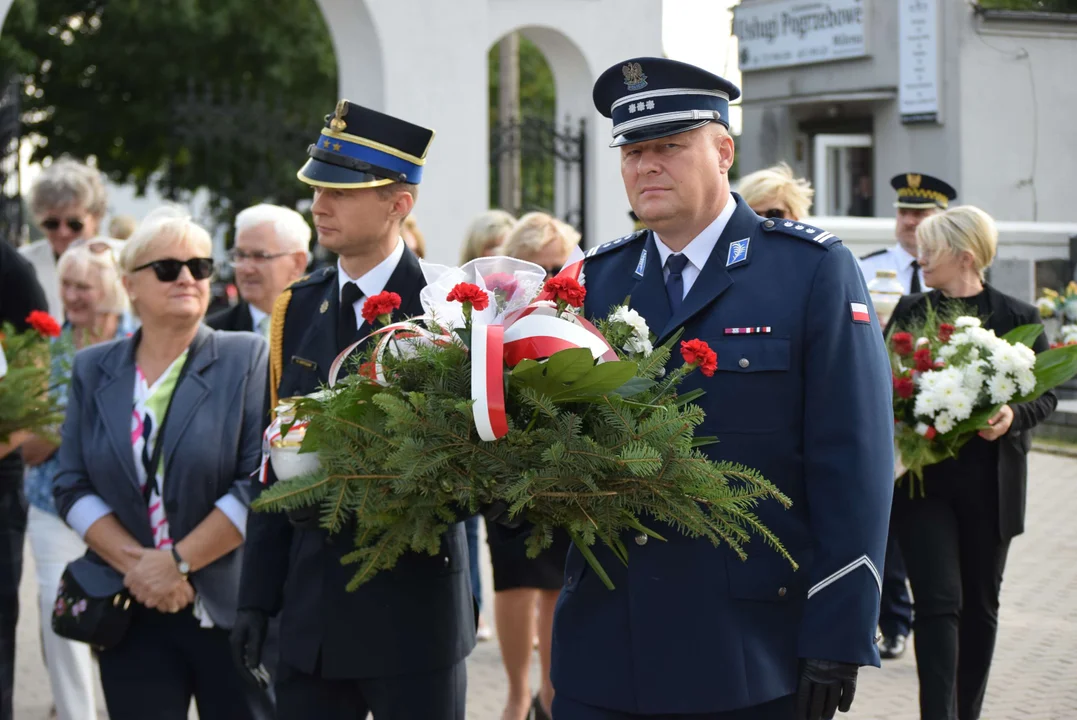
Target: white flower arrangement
(639,339)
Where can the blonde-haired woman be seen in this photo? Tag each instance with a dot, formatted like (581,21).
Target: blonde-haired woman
(776,192)
(526,589)
(486,234)
(413,237)
(95,305)
(955,538)
(162,433)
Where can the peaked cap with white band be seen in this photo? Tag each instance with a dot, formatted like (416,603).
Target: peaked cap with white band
(649,98)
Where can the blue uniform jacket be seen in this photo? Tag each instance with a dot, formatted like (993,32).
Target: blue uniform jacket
(691,628)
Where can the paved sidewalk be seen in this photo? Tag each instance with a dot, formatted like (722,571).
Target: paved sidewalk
(1034,675)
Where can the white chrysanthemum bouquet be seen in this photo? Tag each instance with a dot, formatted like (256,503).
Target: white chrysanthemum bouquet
(950,378)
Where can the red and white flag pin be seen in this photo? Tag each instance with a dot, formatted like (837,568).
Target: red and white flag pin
(860,312)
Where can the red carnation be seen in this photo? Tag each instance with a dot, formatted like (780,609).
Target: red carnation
(469,293)
(904,387)
(901,343)
(44,323)
(945,331)
(381,307)
(923,359)
(567,290)
(699,354)
(501,282)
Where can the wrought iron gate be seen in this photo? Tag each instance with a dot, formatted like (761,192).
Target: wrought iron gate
(10,133)
(553,168)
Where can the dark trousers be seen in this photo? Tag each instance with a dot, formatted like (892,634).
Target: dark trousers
(163,661)
(955,559)
(12,534)
(471,527)
(780,709)
(895,610)
(431,695)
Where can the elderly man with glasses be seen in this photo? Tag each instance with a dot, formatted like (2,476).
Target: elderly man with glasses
(67,200)
(270,253)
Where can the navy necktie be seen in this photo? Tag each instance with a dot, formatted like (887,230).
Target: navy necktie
(675,282)
(914,284)
(347,323)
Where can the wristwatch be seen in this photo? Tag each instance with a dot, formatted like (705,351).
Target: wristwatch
(182,565)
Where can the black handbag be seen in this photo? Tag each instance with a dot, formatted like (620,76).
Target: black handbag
(92,603)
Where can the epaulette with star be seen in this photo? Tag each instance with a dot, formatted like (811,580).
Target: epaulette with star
(803,231)
(315,278)
(614,244)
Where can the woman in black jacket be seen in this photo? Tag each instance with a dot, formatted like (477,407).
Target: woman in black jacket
(956,536)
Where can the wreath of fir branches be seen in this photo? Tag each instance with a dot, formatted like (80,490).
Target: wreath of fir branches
(596,449)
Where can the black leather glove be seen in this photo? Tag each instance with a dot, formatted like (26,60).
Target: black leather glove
(825,687)
(307,518)
(498,512)
(247,638)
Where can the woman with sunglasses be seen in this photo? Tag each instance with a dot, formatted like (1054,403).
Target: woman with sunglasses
(776,193)
(162,434)
(526,589)
(67,201)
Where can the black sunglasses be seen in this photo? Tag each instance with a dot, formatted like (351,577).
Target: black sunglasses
(552,271)
(775,214)
(168,270)
(52,223)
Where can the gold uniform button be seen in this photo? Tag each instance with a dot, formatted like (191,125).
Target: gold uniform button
(781,592)
(641,539)
(744,362)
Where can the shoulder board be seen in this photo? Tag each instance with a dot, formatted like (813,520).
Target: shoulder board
(802,231)
(315,278)
(613,244)
(276,347)
(877,253)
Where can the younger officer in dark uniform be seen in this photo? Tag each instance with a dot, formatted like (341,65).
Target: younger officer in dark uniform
(396,647)
(919,196)
(802,393)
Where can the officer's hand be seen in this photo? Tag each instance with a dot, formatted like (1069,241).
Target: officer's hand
(247,637)
(308,518)
(825,686)
(498,512)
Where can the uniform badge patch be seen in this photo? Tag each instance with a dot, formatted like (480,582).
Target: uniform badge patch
(634,77)
(642,264)
(860,313)
(738,251)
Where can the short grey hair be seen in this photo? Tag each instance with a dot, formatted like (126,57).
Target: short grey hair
(82,262)
(484,229)
(290,226)
(165,226)
(66,183)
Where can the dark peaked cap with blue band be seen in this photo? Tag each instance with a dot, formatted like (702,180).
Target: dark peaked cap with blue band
(363,148)
(649,98)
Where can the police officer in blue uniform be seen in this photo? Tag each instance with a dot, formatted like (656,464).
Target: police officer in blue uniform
(802,393)
(396,647)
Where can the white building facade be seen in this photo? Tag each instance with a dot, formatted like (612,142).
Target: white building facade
(852,92)
(426,61)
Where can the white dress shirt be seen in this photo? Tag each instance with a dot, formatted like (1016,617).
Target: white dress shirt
(699,249)
(372,282)
(895,258)
(257,316)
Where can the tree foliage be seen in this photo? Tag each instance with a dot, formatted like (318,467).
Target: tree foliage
(103,79)
(1061,6)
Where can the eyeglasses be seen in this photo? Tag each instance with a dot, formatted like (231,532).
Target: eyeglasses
(168,270)
(53,223)
(236,256)
(774,214)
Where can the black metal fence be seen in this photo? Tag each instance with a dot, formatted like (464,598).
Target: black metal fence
(552,162)
(11,219)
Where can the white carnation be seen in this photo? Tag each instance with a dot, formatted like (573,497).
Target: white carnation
(639,346)
(967,321)
(633,319)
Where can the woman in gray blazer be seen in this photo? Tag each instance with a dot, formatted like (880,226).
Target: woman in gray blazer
(174,528)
